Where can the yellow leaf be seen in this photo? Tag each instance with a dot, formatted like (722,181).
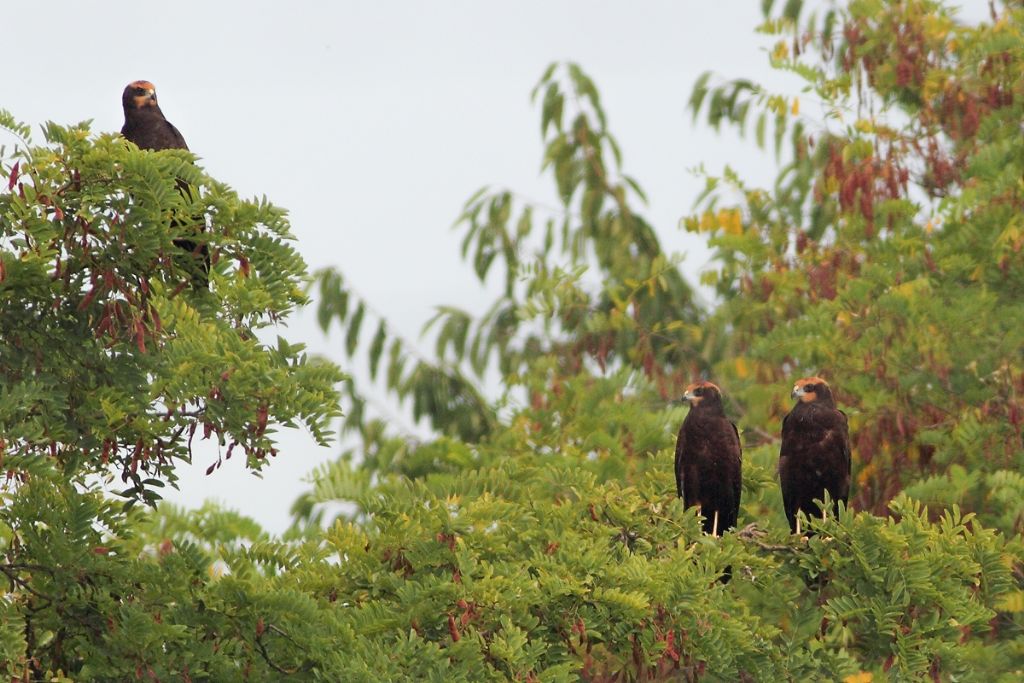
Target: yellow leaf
(865,473)
(736,225)
(911,288)
(781,50)
(1011,602)
(844,318)
(862,677)
(742,369)
(906,289)
(722,218)
(796,106)
(707,221)
(936,28)
(731,221)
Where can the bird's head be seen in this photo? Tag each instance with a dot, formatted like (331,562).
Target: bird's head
(138,95)
(811,389)
(702,391)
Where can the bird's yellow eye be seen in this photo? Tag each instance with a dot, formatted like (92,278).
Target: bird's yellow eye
(699,391)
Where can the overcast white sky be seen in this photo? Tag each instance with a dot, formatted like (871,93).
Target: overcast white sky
(372,123)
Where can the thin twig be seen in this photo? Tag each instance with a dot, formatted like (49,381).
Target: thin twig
(17,582)
(266,656)
(751,534)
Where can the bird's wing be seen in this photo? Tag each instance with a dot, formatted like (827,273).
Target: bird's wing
(738,484)
(177,140)
(847,451)
(785,419)
(680,449)
(835,446)
(784,482)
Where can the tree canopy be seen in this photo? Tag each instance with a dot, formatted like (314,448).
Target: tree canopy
(538,536)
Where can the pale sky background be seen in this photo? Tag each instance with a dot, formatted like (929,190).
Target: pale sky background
(373,122)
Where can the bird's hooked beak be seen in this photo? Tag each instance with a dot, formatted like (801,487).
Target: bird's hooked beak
(146,99)
(803,395)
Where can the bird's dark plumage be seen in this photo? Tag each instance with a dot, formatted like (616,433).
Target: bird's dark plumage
(145,125)
(708,459)
(815,453)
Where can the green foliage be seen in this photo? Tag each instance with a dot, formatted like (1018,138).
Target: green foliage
(436,391)
(562,532)
(639,312)
(108,358)
(886,257)
(539,538)
(599,579)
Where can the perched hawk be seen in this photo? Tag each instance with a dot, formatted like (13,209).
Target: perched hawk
(815,453)
(145,125)
(708,461)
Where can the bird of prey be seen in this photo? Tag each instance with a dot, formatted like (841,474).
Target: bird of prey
(145,125)
(815,453)
(708,459)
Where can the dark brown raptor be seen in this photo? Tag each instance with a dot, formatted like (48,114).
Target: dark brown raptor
(709,459)
(145,125)
(815,453)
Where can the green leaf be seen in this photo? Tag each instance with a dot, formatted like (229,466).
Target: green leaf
(352,333)
(377,347)
(699,92)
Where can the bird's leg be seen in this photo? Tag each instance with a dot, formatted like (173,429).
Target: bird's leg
(798,525)
(714,525)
